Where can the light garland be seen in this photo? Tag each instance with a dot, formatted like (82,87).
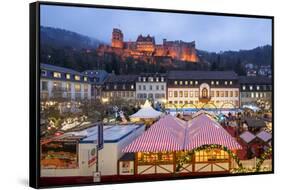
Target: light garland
(267,153)
(188,156)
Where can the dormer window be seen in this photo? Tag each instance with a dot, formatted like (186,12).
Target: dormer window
(176,82)
(230,82)
(43,73)
(196,82)
(67,76)
(85,79)
(77,77)
(57,75)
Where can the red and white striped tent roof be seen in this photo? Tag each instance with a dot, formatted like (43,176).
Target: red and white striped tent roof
(167,134)
(204,130)
(172,134)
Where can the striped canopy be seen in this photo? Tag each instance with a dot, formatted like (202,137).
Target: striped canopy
(204,130)
(172,134)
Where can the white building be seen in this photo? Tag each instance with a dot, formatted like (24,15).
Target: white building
(254,89)
(202,89)
(82,156)
(60,82)
(152,87)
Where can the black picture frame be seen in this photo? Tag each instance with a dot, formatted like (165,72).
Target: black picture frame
(34,91)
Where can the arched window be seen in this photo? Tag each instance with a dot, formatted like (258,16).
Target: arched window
(204,93)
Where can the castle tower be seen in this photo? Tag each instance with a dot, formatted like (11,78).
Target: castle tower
(117,38)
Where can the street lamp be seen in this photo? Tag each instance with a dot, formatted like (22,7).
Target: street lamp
(104,100)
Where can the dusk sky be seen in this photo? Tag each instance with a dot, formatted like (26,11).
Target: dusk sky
(211,33)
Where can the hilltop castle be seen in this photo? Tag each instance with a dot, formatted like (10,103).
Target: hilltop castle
(145,48)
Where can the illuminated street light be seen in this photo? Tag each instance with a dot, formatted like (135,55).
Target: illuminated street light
(104,100)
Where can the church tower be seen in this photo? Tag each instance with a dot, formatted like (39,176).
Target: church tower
(117,38)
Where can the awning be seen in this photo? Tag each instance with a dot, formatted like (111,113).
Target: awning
(173,134)
(204,130)
(167,134)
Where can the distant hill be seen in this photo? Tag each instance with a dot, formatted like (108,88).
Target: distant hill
(60,38)
(257,56)
(72,50)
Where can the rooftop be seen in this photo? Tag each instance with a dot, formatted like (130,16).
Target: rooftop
(197,75)
(171,134)
(252,122)
(50,67)
(255,80)
(112,133)
(121,78)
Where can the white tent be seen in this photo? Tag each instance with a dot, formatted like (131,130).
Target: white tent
(146,112)
(251,107)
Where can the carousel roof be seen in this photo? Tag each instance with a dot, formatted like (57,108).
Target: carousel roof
(172,134)
(146,112)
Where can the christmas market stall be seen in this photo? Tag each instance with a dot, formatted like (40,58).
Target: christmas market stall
(75,154)
(147,112)
(173,146)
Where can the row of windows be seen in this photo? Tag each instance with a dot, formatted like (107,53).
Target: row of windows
(218,102)
(150,95)
(191,94)
(76,95)
(196,82)
(168,157)
(255,95)
(211,155)
(151,79)
(119,94)
(150,87)
(57,86)
(115,87)
(67,76)
(152,158)
(257,87)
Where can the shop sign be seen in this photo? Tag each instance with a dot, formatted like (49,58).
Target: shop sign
(92,157)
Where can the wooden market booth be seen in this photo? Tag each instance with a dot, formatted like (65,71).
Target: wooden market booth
(172,146)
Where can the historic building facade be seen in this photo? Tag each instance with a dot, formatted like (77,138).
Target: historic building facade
(119,87)
(151,86)
(97,78)
(202,89)
(59,82)
(254,89)
(145,48)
